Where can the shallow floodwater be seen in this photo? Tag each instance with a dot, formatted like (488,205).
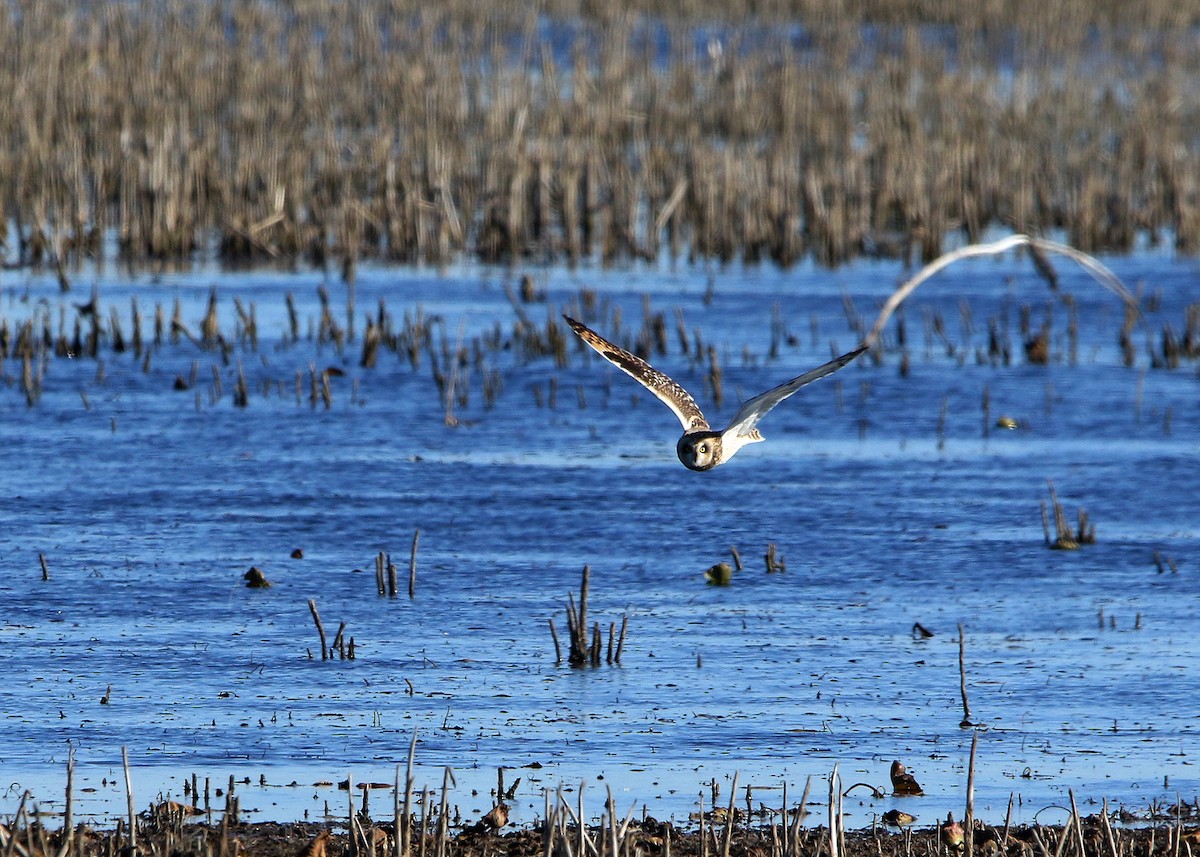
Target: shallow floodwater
(884,495)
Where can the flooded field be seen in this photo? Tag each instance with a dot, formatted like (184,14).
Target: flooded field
(152,478)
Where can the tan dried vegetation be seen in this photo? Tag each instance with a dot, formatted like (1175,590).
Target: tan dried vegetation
(419,132)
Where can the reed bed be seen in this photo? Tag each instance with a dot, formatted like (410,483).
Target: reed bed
(182,835)
(586,644)
(1063,537)
(309,358)
(566,131)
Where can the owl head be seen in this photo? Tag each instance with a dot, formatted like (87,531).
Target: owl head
(700,450)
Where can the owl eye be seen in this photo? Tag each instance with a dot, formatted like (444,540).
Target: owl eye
(703,448)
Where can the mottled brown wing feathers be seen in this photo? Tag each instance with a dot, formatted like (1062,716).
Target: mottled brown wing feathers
(676,398)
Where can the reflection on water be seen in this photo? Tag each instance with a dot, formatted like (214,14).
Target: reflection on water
(882,493)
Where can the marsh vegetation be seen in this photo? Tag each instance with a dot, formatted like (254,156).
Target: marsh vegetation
(567,131)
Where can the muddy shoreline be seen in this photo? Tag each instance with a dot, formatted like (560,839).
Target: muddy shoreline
(172,832)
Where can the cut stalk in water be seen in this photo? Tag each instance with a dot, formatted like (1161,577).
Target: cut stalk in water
(129,799)
(312,606)
(969,814)
(68,845)
(727,836)
(835,815)
(412,565)
(962,678)
(557,647)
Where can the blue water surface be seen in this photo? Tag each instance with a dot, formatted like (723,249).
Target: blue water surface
(892,498)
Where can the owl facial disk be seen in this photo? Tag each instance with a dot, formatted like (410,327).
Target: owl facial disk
(699,451)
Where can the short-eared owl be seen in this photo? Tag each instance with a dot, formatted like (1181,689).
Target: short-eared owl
(701,448)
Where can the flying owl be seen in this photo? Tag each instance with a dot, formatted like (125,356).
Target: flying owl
(701,448)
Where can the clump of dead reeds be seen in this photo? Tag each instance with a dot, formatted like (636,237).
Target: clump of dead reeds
(344,647)
(1160,559)
(1064,537)
(587,644)
(386,574)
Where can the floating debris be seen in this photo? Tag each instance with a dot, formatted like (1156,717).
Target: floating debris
(904,783)
(170,810)
(951,833)
(720,574)
(255,579)
(496,818)
(876,792)
(316,848)
(897,818)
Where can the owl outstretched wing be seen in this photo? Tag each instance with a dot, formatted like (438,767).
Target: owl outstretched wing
(676,398)
(744,421)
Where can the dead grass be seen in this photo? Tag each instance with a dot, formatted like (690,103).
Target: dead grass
(417,133)
(174,833)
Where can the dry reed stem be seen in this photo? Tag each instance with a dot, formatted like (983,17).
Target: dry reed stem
(20,821)
(583,651)
(443,831)
(1007,821)
(312,606)
(730,818)
(962,678)
(969,813)
(403,829)
(412,565)
(1108,832)
(355,835)
(1076,824)
(129,799)
(614,837)
(835,814)
(454,367)
(68,845)
(557,646)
